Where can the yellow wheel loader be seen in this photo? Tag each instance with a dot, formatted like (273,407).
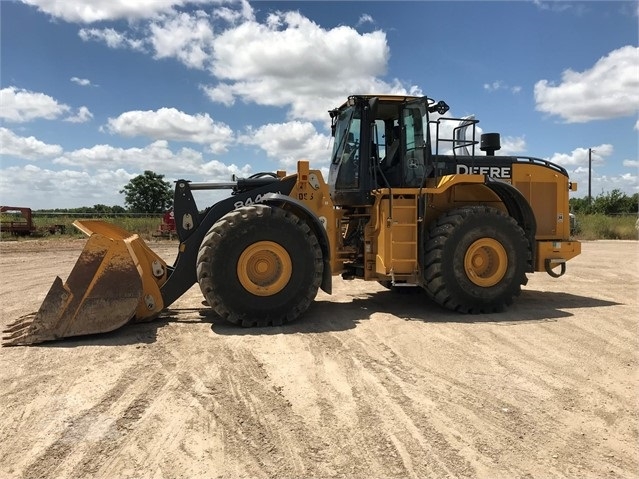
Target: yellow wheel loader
(406,204)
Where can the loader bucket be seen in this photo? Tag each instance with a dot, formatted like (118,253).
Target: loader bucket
(116,279)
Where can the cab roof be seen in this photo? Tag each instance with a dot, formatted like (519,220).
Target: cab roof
(384,98)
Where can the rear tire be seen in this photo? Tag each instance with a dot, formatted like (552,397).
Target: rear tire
(259,266)
(475,260)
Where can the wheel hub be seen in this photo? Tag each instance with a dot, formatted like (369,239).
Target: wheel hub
(264,268)
(486,262)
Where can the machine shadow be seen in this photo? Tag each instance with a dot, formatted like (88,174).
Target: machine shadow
(325,315)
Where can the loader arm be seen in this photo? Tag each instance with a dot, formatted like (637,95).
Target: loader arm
(183,274)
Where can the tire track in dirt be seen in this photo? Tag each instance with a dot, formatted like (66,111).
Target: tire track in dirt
(487,421)
(403,439)
(378,389)
(254,420)
(515,415)
(105,448)
(48,463)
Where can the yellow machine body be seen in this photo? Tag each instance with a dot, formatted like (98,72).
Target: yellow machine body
(465,228)
(391,237)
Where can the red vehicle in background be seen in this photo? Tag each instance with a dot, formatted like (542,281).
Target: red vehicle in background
(166,229)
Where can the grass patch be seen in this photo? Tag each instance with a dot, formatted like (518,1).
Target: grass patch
(143,226)
(594,227)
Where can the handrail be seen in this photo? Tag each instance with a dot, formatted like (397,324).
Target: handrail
(459,143)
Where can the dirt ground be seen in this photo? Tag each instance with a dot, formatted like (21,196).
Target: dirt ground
(368,384)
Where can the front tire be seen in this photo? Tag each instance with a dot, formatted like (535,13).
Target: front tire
(475,260)
(259,266)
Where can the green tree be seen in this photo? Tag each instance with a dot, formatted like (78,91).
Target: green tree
(579,205)
(101,209)
(148,193)
(612,203)
(615,202)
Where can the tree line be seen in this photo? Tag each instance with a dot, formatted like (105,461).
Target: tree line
(613,203)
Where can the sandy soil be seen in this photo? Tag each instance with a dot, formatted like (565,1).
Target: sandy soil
(369,383)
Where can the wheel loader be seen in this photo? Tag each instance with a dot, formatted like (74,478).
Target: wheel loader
(408,203)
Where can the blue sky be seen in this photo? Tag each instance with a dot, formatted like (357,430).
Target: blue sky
(94,92)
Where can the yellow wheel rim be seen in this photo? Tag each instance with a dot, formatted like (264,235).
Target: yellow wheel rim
(486,262)
(264,268)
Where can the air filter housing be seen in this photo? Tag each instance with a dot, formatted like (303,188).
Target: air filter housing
(490,143)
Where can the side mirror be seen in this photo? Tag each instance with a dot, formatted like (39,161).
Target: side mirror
(333,114)
(440,107)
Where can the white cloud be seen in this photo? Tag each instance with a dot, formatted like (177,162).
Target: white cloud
(609,89)
(81,81)
(168,33)
(156,156)
(512,145)
(290,142)
(637,125)
(221,93)
(172,124)
(252,49)
(277,64)
(82,116)
(365,18)
(237,15)
(112,38)
(559,7)
(579,156)
(89,11)
(20,105)
(601,184)
(576,162)
(27,148)
(187,37)
(44,188)
(41,188)
(501,85)
(631,163)
(96,175)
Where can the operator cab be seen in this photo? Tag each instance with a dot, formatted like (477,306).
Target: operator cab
(380,142)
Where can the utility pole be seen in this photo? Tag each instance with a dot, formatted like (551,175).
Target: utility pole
(589,176)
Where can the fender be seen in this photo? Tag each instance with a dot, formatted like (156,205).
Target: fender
(519,208)
(301,210)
